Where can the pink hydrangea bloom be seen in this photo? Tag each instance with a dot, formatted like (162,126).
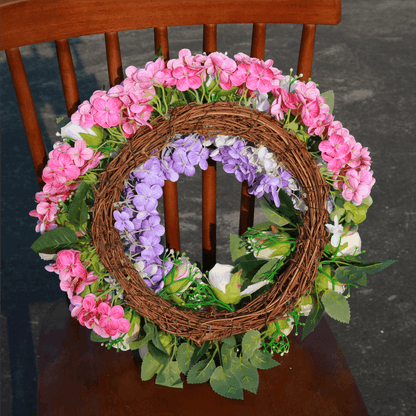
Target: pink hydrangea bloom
(106,113)
(80,153)
(259,78)
(308,92)
(112,319)
(83,116)
(186,78)
(151,75)
(69,264)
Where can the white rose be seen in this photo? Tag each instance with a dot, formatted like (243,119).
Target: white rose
(353,239)
(72,130)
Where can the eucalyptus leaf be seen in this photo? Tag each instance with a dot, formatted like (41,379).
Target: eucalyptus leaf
(55,240)
(250,343)
(336,306)
(263,360)
(313,319)
(201,371)
(247,375)
(170,376)
(184,355)
(226,384)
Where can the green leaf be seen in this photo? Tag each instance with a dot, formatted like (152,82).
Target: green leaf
(184,355)
(313,319)
(226,384)
(170,376)
(160,356)
(263,226)
(273,216)
(159,54)
(349,274)
(330,99)
(246,257)
(228,355)
(93,139)
(199,352)
(150,366)
(201,371)
(336,306)
(149,335)
(237,246)
(362,281)
(265,270)
(54,240)
(371,268)
(78,209)
(250,343)
(158,343)
(250,268)
(292,126)
(263,360)
(96,338)
(286,204)
(246,374)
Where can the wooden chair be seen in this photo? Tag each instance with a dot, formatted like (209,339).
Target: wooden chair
(68,371)
(29,22)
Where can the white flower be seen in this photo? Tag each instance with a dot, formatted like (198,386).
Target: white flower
(72,130)
(284,83)
(220,276)
(261,102)
(336,231)
(254,287)
(353,239)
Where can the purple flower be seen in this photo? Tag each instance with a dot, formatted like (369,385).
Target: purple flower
(199,157)
(152,248)
(181,163)
(122,221)
(149,172)
(147,196)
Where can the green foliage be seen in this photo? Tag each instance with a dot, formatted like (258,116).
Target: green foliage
(265,270)
(246,374)
(251,268)
(170,376)
(330,99)
(201,371)
(52,241)
(78,209)
(96,338)
(183,356)
(371,268)
(161,356)
(313,318)
(263,360)
(94,140)
(273,216)
(159,54)
(349,274)
(237,246)
(150,366)
(228,355)
(226,384)
(336,306)
(199,352)
(251,342)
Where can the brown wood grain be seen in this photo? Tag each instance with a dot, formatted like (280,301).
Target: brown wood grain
(79,377)
(28,22)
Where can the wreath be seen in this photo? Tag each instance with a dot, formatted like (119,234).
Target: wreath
(99,223)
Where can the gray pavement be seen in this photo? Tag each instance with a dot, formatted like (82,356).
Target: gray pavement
(369,62)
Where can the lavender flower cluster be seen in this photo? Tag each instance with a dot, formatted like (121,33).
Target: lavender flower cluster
(138,220)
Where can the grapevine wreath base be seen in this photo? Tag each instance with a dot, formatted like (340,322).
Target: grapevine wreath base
(99,225)
(256,127)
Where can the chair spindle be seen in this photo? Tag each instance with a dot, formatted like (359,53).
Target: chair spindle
(68,78)
(115,67)
(161,39)
(27,111)
(306,51)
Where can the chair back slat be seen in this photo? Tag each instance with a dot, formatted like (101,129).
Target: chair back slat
(209,213)
(161,39)
(170,206)
(209,44)
(68,78)
(115,68)
(306,51)
(27,111)
(258,40)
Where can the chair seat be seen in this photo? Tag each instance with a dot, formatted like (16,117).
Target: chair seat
(79,377)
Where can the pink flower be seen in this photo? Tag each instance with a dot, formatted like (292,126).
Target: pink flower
(80,153)
(47,210)
(60,170)
(259,78)
(334,147)
(219,64)
(309,112)
(151,75)
(186,78)
(278,108)
(69,264)
(83,116)
(243,58)
(106,113)
(239,77)
(76,305)
(320,125)
(308,92)
(111,319)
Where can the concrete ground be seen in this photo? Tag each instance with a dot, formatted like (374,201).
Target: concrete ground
(370,64)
